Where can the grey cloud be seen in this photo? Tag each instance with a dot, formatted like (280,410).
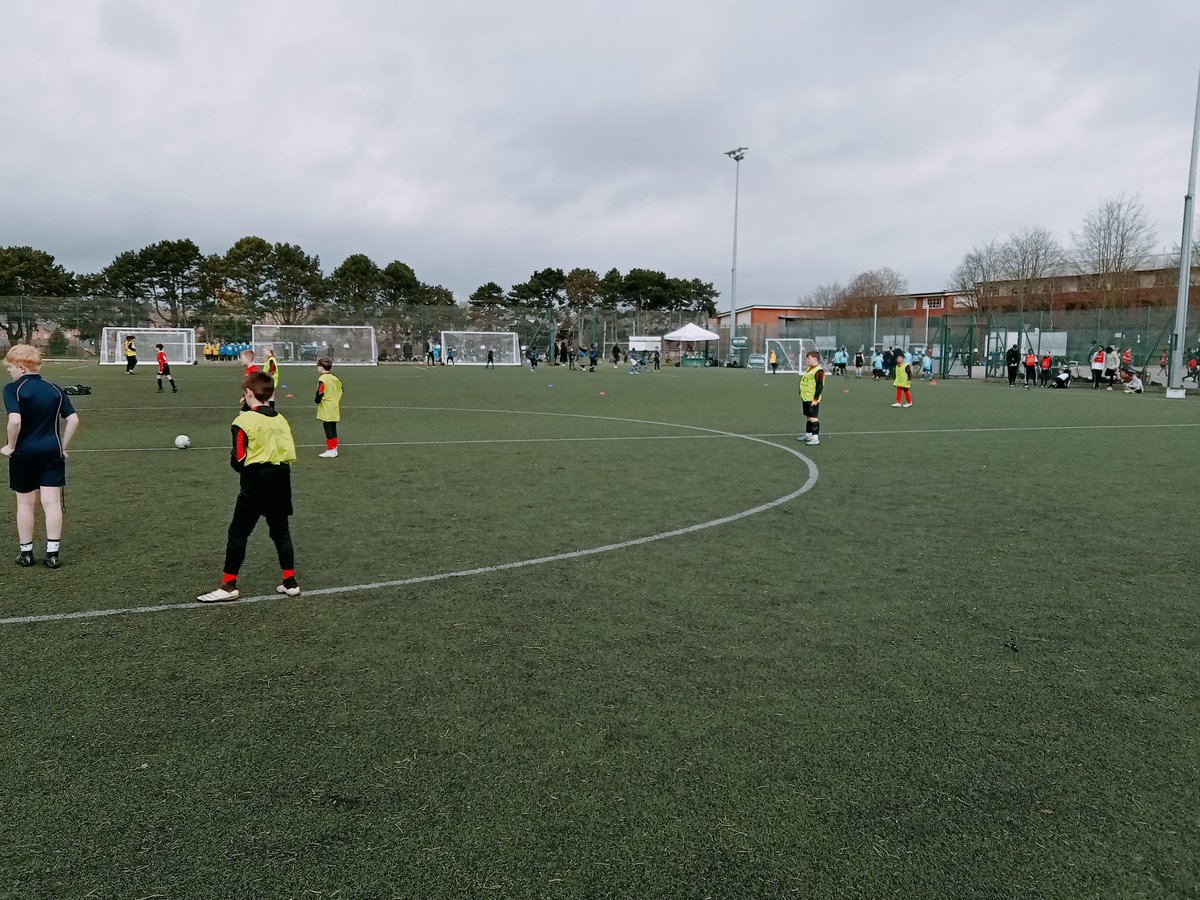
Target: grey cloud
(480,141)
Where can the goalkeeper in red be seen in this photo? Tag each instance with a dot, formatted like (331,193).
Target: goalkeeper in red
(262,454)
(329,405)
(812,383)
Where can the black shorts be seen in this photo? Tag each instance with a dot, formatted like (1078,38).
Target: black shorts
(28,473)
(812,409)
(266,490)
(166,370)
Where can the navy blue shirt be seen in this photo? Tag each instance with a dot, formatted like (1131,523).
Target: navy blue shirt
(41,406)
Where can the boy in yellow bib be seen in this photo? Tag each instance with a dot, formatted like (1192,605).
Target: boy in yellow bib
(329,405)
(263,451)
(812,384)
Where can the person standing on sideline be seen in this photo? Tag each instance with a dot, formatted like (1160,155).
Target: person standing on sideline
(1030,368)
(889,362)
(1012,359)
(860,362)
(1097,367)
(36,451)
(130,354)
(1112,364)
(877,366)
(902,381)
(657,361)
(491,359)
(1046,363)
(262,454)
(164,370)
(329,405)
(772,361)
(927,365)
(812,384)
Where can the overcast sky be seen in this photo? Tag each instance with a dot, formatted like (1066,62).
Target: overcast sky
(480,141)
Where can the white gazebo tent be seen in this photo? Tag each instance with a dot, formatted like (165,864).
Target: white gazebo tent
(690,333)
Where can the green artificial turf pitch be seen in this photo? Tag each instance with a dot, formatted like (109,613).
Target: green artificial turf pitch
(963,664)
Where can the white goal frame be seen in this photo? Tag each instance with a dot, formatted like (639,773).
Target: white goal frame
(789,354)
(178,343)
(346,345)
(471,347)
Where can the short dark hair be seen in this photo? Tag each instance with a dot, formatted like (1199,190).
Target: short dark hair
(260,385)
(325,363)
(158,346)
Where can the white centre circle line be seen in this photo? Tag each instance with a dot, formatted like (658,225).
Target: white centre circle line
(804,488)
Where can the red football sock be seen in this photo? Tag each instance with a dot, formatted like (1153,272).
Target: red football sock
(289,573)
(333,443)
(226,578)
(899,394)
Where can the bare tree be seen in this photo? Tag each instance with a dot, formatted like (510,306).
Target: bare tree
(866,289)
(824,296)
(1115,241)
(1028,260)
(977,276)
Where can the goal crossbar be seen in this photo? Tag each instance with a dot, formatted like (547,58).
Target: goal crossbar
(179,344)
(471,348)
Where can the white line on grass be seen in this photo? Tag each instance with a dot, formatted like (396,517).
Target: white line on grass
(991,429)
(565,440)
(808,484)
(657,437)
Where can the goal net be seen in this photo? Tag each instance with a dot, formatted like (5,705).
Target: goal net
(346,345)
(471,347)
(178,343)
(789,353)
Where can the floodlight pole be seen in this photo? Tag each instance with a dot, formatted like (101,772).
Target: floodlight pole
(1175,389)
(737,155)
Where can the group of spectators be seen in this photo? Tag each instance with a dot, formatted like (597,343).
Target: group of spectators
(1108,365)
(224,351)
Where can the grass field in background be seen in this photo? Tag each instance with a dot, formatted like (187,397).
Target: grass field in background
(963,663)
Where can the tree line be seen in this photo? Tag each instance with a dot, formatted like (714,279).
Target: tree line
(172,283)
(1107,263)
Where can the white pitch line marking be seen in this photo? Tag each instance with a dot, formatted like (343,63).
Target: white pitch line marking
(808,484)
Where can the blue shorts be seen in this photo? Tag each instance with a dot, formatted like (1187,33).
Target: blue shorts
(28,473)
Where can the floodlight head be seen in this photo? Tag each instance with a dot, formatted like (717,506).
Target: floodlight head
(737,153)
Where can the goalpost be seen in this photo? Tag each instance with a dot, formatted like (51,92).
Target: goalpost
(346,345)
(178,343)
(471,347)
(789,353)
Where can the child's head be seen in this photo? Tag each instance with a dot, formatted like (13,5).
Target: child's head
(260,385)
(158,346)
(268,351)
(813,358)
(246,355)
(325,364)
(22,359)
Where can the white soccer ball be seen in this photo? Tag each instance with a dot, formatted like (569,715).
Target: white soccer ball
(182,442)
